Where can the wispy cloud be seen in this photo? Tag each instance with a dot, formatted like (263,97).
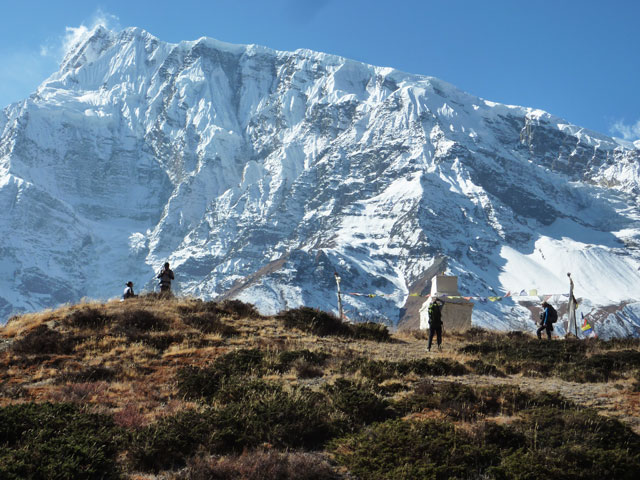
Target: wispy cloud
(59,47)
(626,131)
(23,70)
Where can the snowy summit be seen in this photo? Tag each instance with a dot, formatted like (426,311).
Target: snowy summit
(259,174)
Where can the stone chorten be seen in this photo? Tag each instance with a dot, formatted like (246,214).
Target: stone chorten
(456,314)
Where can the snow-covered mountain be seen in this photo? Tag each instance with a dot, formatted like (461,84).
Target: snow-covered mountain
(259,173)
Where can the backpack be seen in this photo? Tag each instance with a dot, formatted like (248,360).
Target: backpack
(435,314)
(552,315)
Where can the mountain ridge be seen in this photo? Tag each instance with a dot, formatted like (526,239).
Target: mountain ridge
(222,159)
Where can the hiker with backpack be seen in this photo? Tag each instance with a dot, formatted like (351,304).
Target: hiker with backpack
(435,322)
(165,276)
(548,317)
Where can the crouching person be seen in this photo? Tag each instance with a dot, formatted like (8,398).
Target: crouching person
(128,291)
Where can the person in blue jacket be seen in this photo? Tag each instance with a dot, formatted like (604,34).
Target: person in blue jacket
(548,316)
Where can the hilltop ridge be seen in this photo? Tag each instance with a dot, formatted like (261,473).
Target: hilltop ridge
(264,172)
(186,389)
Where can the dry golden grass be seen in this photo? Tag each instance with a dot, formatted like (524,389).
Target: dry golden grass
(144,371)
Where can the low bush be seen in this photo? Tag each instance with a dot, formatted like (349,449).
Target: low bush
(170,441)
(238,309)
(131,321)
(286,359)
(401,449)
(323,324)
(94,373)
(380,370)
(47,440)
(358,402)
(552,427)
(305,369)
(568,359)
(245,416)
(195,382)
(260,465)
(209,323)
(240,362)
(314,321)
(205,317)
(635,386)
(482,368)
(44,340)
(601,367)
(547,443)
(87,317)
(204,382)
(159,341)
(296,419)
(463,402)
(371,331)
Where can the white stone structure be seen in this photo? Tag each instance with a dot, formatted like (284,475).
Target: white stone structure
(456,314)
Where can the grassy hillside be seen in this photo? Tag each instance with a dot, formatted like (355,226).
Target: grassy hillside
(185,389)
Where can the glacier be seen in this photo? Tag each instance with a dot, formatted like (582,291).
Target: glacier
(259,174)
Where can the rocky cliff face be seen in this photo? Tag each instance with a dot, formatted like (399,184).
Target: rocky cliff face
(262,173)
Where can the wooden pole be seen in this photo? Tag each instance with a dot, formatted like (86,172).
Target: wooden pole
(339,296)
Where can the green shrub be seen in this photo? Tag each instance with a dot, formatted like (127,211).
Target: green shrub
(409,450)
(601,367)
(137,320)
(205,316)
(547,443)
(246,414)
(157,340)
(240,362)
(380,370)
(170,441)
(463,402)
(196,382)
(87,317)
(260,465)
(314,321)
(482,368)
(371,331)
(238,309)
(358,402)
(526,355)
(43,441)
(204,382)
(296,419)
(43,340)
(635,386)
(575,462)
(287,358)
(96,373)
(552,427)
(209,323)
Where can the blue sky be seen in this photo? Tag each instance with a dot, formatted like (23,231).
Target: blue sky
(578,59)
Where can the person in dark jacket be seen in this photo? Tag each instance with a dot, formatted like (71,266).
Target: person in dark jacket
(165,276)
(435,322)
(547,317)
(128,292)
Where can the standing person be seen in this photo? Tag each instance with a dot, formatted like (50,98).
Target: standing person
(165,276)
(435,322)
(128,292)
(548,316)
